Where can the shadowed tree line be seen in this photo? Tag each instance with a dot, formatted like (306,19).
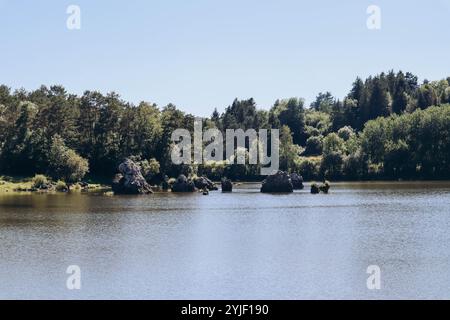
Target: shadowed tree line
(388,126)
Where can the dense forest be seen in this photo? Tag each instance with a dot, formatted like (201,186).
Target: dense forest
(388,127)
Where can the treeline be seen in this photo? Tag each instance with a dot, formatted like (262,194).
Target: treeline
(384,128)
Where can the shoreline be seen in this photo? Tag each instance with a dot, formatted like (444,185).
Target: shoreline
(11,185)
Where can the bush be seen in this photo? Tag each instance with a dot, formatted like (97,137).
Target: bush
(149,168)
(346,133)
(331,166)
(333,143)
(214,170)
(313,146)
(308,168)
(61,186)
(355,166)
(39,181)
(65,163)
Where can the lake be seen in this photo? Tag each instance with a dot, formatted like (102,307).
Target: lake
(244,245)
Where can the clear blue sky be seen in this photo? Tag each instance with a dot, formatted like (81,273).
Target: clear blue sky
(202,54)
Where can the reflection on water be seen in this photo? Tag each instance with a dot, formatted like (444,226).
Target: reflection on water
(243,245)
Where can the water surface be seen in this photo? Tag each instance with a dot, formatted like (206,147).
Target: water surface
(243,245)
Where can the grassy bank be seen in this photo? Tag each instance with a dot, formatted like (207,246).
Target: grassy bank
(18,184)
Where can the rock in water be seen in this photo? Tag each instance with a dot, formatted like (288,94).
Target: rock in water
(183,185)
(204,182)
(277,183)
(315,188)
(325,187)
(130,180)
(227,185)
(297,181)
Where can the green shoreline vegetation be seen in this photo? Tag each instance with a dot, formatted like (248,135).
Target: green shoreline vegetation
(388,127)
(43,184)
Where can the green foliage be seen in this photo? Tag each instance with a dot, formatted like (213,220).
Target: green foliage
(333,143)
(355,166)
(331,166)
(324,102)
(386,127)
(289,152)
(215,170)
(39,181)
(308,168)
(411,145)
(149,168)
(318,123)
(61,186)
(290,113)
(314,146)
(346,133)
(64,163)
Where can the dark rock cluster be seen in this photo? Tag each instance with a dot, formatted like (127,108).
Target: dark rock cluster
(130,180)
(227,185)
(280,182)
(297,181)
(183,184)
(203,183)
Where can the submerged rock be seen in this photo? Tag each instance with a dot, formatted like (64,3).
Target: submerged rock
(227,185)
(183,185)
(203,182)
(297,181)
(130,180)
(277,183)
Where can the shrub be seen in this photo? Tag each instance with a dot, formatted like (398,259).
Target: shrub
(65,163)
(39,181)
(333,143)
(355,165)
(331,166)
(314,146)
(308,168)
(346,133)
(61,186)
(149,168)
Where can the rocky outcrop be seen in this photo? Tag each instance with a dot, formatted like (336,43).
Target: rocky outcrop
(277,183)
(130,180)
(183,185)
(227,185)
(297,181)
(204,183)
(324,187)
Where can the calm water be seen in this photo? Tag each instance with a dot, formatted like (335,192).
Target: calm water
(244,245)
